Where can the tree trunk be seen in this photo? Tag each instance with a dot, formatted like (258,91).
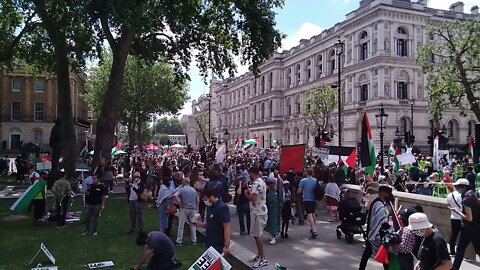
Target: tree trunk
(140,138)
(131,136)
(109,113)
(65,110)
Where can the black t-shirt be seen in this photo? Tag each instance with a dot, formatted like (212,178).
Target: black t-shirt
(433,251)
(94,194)
(473,225)
(217,215)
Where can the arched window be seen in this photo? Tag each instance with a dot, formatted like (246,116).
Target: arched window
(363,45)
(403,125)
(297,69)
(402,42)
(363,34)
(309,69)
(37,136)
(287,136)
(402,31)
(402,79)
(452,129)
(320,65)
(288,105)
(296,135)
(298,105)
(289,77)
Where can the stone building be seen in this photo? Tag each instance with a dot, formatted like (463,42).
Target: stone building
(378,66)
(29,106)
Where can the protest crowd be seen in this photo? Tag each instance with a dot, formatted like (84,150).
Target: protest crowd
(197,185)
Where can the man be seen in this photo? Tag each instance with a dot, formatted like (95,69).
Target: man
(307,187)
(454,200)
(95,202)
(159,251)
(217,224)
(56,143)
(216,183)
(377,216)
(61,191)
(257,195)
(188,201)
(470,226)
(39,202)
(136,203)
(471,177)
(433,252)
(85,184)
(340,174)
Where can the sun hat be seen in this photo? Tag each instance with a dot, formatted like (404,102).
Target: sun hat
(461,181)
(373,187)
(418,221)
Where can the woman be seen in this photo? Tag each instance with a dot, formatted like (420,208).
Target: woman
(273,206)
(243,206)
(408,243)
(332,197)
(439,189)
(162,203)
(286,208)
(194,176)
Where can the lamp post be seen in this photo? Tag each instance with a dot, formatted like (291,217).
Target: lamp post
(209,118)
(398,138)
(412,103)
(339,48)
(381,118)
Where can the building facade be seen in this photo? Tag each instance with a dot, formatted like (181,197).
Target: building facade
(377,65)
(178,139)
(29,106)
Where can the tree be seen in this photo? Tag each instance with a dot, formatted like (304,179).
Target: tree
(318,106)
(211,32)
(451,58)
(51,36)
(150,89)
(202,127)
(170,126)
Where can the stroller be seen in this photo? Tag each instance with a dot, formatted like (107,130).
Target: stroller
(352,219)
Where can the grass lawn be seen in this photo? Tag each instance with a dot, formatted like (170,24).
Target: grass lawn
(7,181)
(20,239)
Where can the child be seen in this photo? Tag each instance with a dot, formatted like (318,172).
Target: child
(286,208)
(332,193)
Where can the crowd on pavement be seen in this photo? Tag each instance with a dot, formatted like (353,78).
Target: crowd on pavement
(195,187)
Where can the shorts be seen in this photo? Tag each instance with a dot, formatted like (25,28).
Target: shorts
(258,223)
(309,207)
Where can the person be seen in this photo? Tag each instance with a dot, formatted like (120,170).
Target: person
(162,203)
(216,184)
(332,197)
(447,179)
(136,203)
(85,184)
(257,195)
(217,224)
(408,241)
(94,203)
(273,207)
(39,202)
(188,201)
(470,226)
(297,197)
(243,206)
(307,188)
(433,252)
(439,188)
(340,174)
(159,251)
(377,216)
(286,209)
(471,177)
(108,176)
(454,200)
(61,191)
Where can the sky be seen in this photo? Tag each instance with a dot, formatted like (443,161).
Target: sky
(302,19)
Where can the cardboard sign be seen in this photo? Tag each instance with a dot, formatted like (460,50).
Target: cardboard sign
(46,268)
(210,260)
(47,253)
(100,264)
(323,154)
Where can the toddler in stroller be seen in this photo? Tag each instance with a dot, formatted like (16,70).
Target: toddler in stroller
(352,218)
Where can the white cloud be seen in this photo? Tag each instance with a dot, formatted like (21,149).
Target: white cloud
(187,109)
(306,31)
(445,4)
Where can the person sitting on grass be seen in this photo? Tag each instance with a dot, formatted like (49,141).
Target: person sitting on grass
(159,251)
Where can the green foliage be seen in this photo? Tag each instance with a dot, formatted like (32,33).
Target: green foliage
(318,105)
(161,139)
(171,126)
(149,89)
(451,58)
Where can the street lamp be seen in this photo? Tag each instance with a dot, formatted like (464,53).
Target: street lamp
(339,48)
(381,118)
(209,117)
(227,137)
(412,103)
(398,138)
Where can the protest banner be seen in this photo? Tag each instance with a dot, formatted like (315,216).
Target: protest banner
(211,260)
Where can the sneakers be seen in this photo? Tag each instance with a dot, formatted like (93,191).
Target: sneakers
(273,241)
(255,259)
(95,234)
(314,235)
(262,262)
(84,233)
(178,244)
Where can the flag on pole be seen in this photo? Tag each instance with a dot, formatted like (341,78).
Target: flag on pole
(470,148)
(396,162)
(238,144)
(391,150)
(251,141)
(367,154)
(436,153)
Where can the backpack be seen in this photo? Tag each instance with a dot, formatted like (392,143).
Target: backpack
(319,191)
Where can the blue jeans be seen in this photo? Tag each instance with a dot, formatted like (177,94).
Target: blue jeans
(243,210)
(163,221)
(161,262)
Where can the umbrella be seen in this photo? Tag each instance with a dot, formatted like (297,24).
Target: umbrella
(178,146)
(151,147)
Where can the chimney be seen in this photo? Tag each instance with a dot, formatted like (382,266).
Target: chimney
(423,2)
(474,10)
(457,7)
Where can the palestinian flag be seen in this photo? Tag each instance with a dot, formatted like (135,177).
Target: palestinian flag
(396,163)
(252,141)
(391,150)
(470,148)
(238,144)
(347,155)
(367,150)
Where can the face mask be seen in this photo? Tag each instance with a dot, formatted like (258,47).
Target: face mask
(207,203)
(419,233)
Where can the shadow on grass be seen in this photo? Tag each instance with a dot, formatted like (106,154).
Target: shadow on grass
(20,239)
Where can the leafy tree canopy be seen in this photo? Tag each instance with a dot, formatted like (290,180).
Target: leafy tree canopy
(170,126)
(318,105)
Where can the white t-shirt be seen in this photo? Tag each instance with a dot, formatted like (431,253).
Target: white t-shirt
(260,206)
(454,200)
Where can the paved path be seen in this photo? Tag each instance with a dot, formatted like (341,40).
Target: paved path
(325,252)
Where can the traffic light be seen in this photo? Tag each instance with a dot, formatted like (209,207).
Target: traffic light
(406,138)
(430,140)
(412,139)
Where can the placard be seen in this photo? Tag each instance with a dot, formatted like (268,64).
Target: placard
(45,268)
(100,264)
(47,253)
(210,260)
(323,154)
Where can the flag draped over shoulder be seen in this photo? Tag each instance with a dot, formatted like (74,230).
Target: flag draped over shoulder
(367,150)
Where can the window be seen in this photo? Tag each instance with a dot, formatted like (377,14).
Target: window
(37,136)
(270,80)
(16,85)
(364,51)
(450,130)
(270,109)
(309,70)
(364,92)
(289,77)
(243,94)
(402,47)
(262,111)
(298,74)
(402,31)
(255,112)
(402,91)
(38,111)
(332,61)
(263,85)
(403,126)
(39,86)
(297,135)
(289,107)
(363,35)
(15,111)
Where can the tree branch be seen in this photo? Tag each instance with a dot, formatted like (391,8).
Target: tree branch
(108,34)
(29,25)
